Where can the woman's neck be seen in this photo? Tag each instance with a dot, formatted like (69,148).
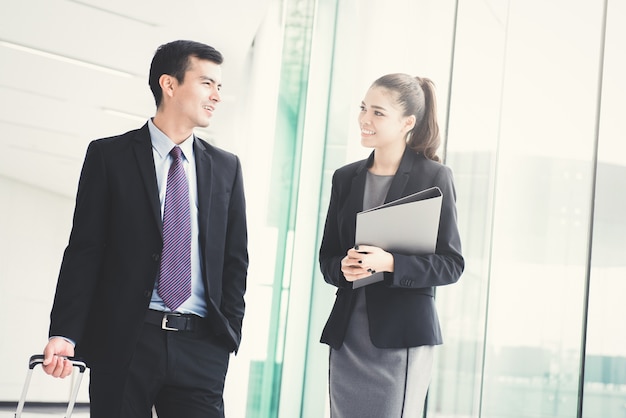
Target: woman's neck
(386,161)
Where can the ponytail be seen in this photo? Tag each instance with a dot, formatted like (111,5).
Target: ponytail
(424,137)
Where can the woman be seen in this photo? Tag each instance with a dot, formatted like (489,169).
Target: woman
(382,335)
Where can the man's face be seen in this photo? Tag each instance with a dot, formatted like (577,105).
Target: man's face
(194,99)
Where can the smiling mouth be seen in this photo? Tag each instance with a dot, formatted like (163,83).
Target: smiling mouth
(209,108)
(367,132)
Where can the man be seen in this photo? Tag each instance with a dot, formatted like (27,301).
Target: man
(151,286)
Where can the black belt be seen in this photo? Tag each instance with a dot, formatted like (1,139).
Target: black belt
(172,321)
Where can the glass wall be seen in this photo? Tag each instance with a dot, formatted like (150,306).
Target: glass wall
(605,364)
(541,210)
(522,141)
(277,73)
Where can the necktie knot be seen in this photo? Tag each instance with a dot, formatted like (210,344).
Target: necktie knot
(176,152)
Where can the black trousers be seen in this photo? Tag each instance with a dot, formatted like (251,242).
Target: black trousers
(180,373)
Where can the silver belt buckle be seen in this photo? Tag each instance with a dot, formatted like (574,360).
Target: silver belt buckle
(165,320)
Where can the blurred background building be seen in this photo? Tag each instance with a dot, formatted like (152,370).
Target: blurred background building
(532,100)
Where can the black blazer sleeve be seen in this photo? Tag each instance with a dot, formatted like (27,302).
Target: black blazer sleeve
(446,265)
(334,245)
(83,256)
(235,258)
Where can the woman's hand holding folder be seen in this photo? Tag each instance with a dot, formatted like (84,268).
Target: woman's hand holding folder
(364,260)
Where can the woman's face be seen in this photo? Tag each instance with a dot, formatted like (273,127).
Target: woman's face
(381,121)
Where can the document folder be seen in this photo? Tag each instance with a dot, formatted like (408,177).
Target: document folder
(408,225)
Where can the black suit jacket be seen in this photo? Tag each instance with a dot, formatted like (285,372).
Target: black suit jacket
(111,263)
(400,309)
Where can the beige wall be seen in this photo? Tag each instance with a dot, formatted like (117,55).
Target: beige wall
(34,228)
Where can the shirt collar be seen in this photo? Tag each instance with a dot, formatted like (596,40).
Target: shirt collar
(163,144)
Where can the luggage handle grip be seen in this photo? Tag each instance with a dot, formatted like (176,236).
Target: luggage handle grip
(38,359)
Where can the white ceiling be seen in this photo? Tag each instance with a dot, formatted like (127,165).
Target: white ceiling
(51,107)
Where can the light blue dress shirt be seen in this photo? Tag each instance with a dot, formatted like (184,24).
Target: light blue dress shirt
(161,147)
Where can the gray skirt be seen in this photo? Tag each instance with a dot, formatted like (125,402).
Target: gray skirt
(370,382)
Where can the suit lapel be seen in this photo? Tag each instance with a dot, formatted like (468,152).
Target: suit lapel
(398,184)
(143,153)
(357,189)
(204,176)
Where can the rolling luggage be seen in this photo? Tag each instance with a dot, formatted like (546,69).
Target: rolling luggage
(38,359)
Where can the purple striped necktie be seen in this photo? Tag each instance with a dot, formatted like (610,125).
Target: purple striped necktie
(175,274)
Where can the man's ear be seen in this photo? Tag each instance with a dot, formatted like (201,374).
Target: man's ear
(167,83)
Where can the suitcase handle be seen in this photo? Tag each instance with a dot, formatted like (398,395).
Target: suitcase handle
(38,359)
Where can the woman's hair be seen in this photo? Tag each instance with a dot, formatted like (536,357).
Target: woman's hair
(416,96)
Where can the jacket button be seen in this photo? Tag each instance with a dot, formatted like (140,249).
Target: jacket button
(156,256)
(147,293)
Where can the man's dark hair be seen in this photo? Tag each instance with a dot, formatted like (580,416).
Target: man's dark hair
(173,59)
